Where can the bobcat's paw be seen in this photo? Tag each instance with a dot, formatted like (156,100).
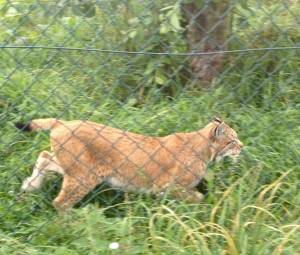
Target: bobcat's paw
(29,184)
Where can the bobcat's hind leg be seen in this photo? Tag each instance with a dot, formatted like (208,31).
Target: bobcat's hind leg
(74,188)
(45,162)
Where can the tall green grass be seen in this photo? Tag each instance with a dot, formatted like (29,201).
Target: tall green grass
(252,206)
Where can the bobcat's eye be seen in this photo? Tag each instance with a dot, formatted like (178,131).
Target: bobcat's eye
(232,142)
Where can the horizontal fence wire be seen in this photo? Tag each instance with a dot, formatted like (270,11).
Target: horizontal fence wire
(149,53)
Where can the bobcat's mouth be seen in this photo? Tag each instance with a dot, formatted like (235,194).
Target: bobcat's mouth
(229,153)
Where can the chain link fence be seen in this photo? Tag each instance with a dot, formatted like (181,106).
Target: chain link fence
(151,68)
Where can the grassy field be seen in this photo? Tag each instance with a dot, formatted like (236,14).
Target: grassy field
(252,207)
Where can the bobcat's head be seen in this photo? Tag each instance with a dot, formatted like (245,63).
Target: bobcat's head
(225,141)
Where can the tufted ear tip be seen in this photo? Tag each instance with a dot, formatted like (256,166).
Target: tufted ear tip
(217,119)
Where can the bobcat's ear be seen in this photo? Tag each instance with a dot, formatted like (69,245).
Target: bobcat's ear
(219,130)
(216,119)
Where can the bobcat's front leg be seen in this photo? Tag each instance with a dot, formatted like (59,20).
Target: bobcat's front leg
(188,195)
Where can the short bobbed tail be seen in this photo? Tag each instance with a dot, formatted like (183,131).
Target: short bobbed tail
(38,125)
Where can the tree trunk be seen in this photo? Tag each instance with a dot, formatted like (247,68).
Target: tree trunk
(208,27)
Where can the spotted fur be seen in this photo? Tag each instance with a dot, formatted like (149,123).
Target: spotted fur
(87,153)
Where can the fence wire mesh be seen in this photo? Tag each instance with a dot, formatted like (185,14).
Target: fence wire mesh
(152,74)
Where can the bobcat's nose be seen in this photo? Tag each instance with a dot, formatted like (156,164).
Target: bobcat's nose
(241,144)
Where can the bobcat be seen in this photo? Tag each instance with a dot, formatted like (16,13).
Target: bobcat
(87,153)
